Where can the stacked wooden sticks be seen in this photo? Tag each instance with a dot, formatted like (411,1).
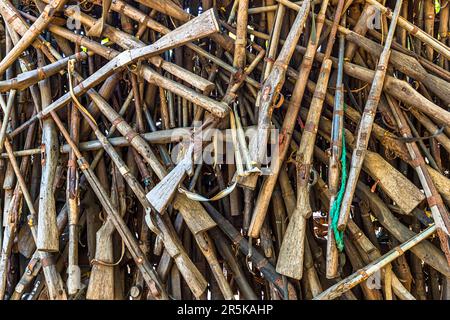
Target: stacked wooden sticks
(266,149)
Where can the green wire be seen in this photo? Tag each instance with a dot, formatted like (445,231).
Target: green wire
(335,208)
